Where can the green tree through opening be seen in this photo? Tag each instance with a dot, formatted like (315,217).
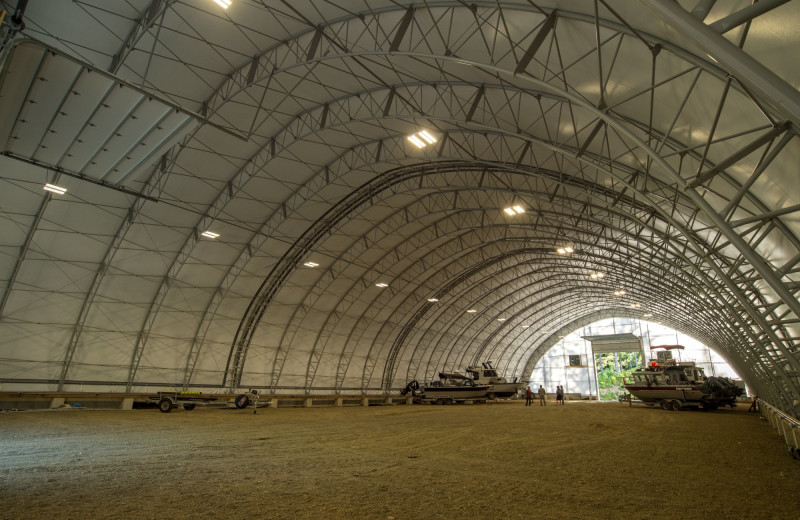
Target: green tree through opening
(612,367)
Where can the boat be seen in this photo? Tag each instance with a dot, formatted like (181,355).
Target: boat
(677,384)
(498,386)
(450,388)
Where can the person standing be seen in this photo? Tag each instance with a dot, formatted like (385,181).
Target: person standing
(542,396)
(560,395)
(528,396)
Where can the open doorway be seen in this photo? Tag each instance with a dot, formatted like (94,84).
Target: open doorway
(612,368)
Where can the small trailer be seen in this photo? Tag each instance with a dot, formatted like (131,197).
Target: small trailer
(189,400)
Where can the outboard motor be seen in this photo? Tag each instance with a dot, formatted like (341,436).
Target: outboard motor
(412,387)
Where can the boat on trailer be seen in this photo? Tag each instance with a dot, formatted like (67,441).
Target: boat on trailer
(677,384)
(499,386)
(450,388)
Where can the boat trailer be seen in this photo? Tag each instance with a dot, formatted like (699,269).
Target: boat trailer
(189,400)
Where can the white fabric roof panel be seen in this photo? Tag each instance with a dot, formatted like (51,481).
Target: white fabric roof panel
(662,152)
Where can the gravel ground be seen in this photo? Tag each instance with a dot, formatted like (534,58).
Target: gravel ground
(499,460)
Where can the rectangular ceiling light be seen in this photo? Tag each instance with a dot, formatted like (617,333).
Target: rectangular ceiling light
(518,209)
(381,284)
(433,300)
(417,141)
(422,139)
(428,137)
(210,234)
(510,211)
(223,3)
(311,264)
(55,189)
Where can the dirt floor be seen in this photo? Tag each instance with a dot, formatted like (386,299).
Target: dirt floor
(498,461)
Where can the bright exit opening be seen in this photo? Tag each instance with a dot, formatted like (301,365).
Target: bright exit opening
(594,369)
(612,368)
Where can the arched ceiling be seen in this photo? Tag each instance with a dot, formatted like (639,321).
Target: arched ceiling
(656,139)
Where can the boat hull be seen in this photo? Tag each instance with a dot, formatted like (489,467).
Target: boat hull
(455,393)
(652,394)
(505,389)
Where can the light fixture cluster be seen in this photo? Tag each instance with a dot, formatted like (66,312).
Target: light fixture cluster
(647,315)
(58,190)
(223,3)
(597,276)
(514,210)
(619,292)
(564,250)
(433,300)
(472,311)
(210,234)
(381,284)
(311,264)
(422,139)
(635,305)
(501,319)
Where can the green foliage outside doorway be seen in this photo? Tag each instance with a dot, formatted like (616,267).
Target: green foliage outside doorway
(612,367)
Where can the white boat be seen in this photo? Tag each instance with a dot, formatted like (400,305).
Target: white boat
(450,388)
(498,386)
(676,384)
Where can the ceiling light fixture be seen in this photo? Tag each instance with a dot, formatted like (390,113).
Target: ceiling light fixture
(501,319)
(223,3)
(210,234)
(428,137)
(648,314)
(525,326)
(311,264)
(635,305)
(55,189)
(381,284)
(417,141)
(619,292)
(564,250)
(597,276)
(471,311)
(515,210)
(422,139)
(432,300)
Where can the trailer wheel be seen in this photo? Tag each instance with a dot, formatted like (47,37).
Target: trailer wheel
(165,405)
(242,401)
(664,404)
(440,400)
(189,406)
(675,406)
(490,396)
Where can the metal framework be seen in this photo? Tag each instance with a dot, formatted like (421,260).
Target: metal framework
(657,142)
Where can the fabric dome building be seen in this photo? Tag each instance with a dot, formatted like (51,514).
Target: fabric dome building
(251,201)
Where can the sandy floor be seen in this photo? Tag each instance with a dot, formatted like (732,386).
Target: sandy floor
(498,461)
